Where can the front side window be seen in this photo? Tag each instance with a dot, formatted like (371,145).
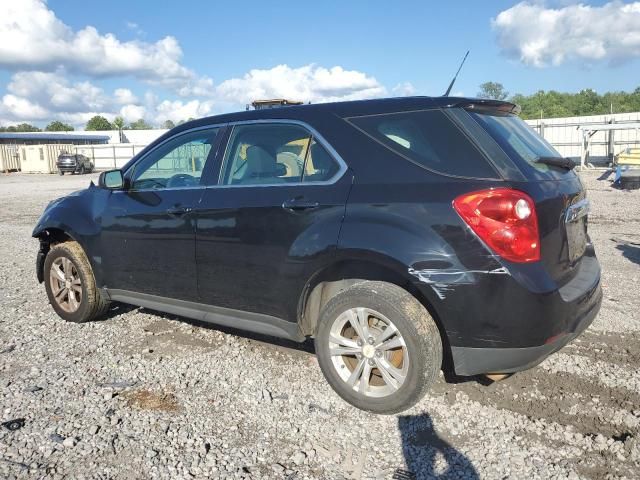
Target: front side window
(274,154)
(177,164)
(427,138)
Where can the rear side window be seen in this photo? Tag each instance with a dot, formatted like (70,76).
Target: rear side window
(430,139)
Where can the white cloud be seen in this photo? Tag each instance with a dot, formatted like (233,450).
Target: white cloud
(541,36)
(135,28)
(33,38)
(309,83)
(131,113)
(124,96)
(58,70)
(21,108)
(47,96)
(404,89)
(178,110)
(43,96)
(54,92)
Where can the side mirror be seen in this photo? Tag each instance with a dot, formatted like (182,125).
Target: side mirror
(111,180)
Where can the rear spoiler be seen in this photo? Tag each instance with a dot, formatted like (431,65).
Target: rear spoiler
(486,105)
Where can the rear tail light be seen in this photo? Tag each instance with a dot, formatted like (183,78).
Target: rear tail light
(505,219)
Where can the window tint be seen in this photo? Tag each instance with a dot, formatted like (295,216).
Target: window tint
(430,139)
(266,154)
(177,164)
(320,166)
(515,136)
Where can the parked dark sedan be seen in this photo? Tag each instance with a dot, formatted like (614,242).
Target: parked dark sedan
(74,163)
(404,235)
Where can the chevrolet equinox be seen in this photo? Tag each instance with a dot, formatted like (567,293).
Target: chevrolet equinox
(403,235)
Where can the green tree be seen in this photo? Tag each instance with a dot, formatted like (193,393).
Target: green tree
(23,127)
(118,123)
(553,104)
(185,121)
(493,90)
(140,125)
(58,126)
(98,123)
(168,124)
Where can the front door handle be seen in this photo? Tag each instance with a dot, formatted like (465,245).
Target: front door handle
(178,211)
(299,204)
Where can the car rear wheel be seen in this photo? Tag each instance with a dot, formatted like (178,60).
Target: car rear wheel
(81,170)
(378,347)
(60,172)
(70,284)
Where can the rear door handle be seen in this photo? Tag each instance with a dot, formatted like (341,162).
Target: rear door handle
(299,204)
(178,211)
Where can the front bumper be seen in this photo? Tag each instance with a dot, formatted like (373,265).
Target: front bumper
(473,361)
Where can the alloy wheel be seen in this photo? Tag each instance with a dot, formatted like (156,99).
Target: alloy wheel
(66,284)
(368,352)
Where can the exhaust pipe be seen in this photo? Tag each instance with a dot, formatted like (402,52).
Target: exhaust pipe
(496,377)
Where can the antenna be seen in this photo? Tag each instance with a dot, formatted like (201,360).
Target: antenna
(456,75)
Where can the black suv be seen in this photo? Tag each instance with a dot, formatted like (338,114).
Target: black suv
(73,163)
(404,235)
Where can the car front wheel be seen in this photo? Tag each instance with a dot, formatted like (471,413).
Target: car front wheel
(378,347)
(70,284)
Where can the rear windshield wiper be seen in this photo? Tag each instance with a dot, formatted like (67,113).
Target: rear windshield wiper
(561,162)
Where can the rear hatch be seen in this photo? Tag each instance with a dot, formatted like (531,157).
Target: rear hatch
(557,191)
(67,160)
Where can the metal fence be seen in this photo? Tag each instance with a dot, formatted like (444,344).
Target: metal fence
(566,136)
(9,158)
(106,157)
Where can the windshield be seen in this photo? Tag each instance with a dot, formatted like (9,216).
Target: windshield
(515,137)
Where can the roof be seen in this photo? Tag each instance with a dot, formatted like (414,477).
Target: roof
(51,136)
(352,109)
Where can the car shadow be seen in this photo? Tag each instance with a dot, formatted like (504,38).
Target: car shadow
(306,347)
(117,309)
(605,175)
(427,455)
(630,251)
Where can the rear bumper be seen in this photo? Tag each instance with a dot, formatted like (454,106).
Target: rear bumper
(473,361)
(67,168)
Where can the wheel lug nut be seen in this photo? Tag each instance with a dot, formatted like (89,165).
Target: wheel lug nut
(370,341)
(378,353)
(371,362)
(360,343)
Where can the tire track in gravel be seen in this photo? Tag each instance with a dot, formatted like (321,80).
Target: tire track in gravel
(560,397)
(603,372)
(619,349)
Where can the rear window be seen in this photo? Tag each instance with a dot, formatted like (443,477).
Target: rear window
(515,137)
(428,138)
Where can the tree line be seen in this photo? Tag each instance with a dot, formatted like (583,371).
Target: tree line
(542,104)
(553,104)
(96,123)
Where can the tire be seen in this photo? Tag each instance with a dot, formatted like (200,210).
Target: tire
(422,347)
(60,172)
(81,170)
(91,303)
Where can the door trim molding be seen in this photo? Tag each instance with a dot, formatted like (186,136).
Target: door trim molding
(227,317)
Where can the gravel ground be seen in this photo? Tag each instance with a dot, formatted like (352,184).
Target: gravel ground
(143,395)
